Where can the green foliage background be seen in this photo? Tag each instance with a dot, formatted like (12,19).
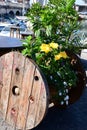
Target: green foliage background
(57,21)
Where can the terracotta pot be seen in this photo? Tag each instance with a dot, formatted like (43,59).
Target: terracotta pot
(75,92)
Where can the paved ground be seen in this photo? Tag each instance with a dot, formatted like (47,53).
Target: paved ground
(72,118)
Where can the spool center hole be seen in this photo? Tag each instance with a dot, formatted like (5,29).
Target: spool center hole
(15,90)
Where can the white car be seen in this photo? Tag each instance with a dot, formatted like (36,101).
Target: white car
(6,31)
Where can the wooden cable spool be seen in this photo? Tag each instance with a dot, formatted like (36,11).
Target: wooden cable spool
(23,91)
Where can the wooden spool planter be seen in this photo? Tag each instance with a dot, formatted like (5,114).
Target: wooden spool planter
(23,91)
(75,92)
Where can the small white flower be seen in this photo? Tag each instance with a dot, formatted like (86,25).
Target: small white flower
(51,77)
(60,94)
(67,103)
(65,83)
(62,103)
(66,90)
(58,74)
(55,80)
(66,98)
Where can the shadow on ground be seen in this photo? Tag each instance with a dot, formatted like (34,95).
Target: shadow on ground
(73,117)
(84,63)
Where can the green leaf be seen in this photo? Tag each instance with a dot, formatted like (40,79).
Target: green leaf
(37,33)
(48,30)
(70,3)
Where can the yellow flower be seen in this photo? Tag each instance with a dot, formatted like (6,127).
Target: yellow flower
(45,48)
(63,54)
(54,45)
(57,57)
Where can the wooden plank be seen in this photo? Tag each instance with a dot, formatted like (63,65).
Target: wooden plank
(31,123)
(42,103)
(16,80)
(1,79)
(25,93)
(7,72)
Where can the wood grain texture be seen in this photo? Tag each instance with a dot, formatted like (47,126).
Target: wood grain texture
(24,92)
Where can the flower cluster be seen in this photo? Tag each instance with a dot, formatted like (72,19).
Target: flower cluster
(48,48)
(56,66)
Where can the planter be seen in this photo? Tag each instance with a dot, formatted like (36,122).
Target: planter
(75,92)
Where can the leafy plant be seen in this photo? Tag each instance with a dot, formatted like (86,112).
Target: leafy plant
(57,21)
(54,27)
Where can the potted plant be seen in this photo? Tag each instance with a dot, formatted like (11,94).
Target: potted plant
(54,46)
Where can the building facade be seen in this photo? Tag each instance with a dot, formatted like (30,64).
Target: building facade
(42,2)
(14,7)
(81,6)
(17,7)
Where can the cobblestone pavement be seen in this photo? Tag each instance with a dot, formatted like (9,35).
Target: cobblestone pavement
(73,117)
